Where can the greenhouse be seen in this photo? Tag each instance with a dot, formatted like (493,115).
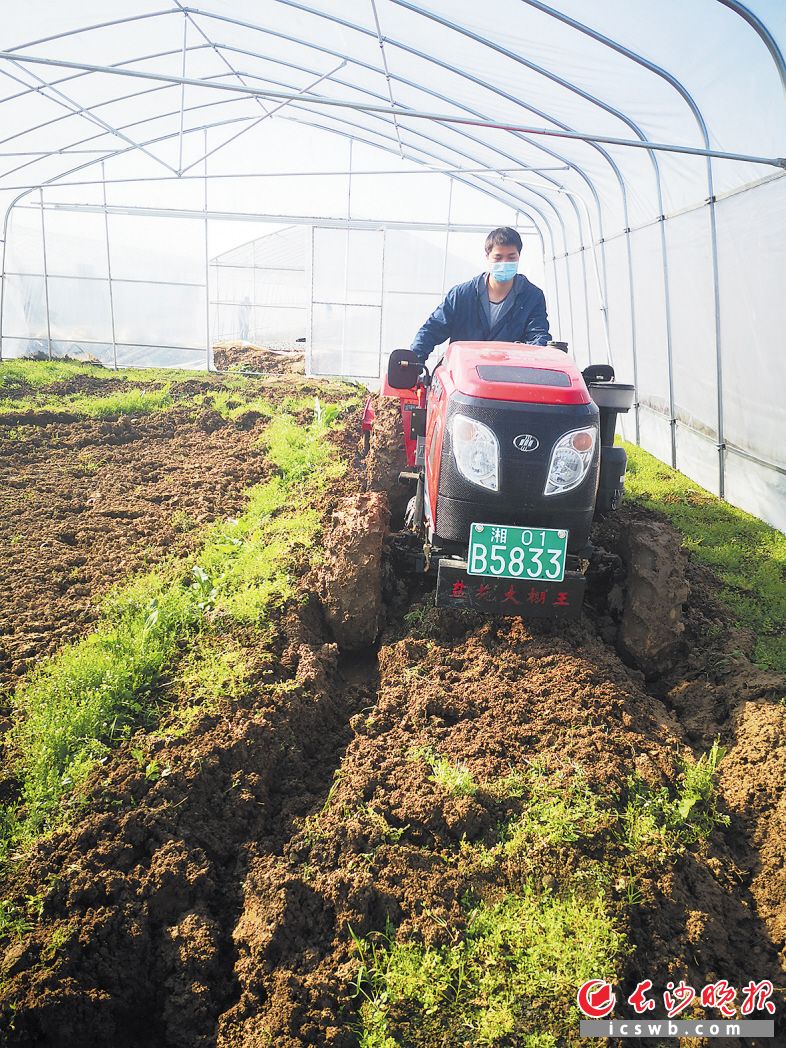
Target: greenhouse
(392,523)
(644,168)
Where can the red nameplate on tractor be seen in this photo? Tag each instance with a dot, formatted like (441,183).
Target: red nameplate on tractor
(456,588)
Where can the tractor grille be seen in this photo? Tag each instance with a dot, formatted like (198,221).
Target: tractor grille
(522,474)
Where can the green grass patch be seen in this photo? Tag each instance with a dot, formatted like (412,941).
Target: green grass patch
(510,978)
(666,821)
(560,808)
(15,921)
(79,704)
(747,555)
(132,401)
(214,670)
(232,403)
(40,373)
(452,776)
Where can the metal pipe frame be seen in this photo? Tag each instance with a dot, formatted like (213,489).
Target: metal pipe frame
(397,112)
(699,118)
(410,114)
(590,184)
(480,83)
(574,166)
(373,94)
(602,297)
(253,216)
(161,138)
(46,276)
(612,111)
(109,277)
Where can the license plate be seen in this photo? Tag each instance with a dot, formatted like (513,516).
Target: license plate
(508,552)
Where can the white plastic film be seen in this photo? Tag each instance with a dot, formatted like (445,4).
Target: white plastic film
(164,315)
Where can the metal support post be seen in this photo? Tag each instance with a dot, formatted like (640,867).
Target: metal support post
(109,270)
(46,275)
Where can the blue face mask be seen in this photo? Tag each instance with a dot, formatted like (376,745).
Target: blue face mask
(503,271)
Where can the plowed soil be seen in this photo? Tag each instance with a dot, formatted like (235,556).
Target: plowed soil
(88,502)
(243,355)
(213,906)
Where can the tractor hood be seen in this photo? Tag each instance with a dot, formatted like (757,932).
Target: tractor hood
(514,371)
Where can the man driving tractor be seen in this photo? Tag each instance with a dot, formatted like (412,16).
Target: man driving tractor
(499,305)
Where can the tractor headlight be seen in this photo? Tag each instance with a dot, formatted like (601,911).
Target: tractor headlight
(571,457)
(476,451)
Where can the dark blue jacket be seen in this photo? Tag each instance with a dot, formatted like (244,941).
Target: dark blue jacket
(462,317)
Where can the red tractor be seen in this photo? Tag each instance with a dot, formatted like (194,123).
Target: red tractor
(510,455)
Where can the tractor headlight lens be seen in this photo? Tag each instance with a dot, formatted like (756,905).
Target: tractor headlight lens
(476,451)
(571,457)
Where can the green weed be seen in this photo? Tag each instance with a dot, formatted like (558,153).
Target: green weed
(513,972)
(181,520)
(14,923)
(125,402)
(39,373)
(391,834)
(232,404)
(453,776)
(78,704)
(423,621)
(560,808)
(667,821)
(61,934)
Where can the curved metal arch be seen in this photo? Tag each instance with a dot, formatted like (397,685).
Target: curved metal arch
(626,52)
(488,189)
(436,94)
(420,134)
(53,181)
(486,145)
(205,128)
(514,200)
(574,88)
(445,23)
(517,204)
(96,25)
(634,127)
(523,137)
(714,264)
(761,29)
(99,105)
(447,147)
(460,73)
(301,42)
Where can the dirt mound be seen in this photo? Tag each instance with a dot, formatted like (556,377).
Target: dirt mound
(387,843)
(655,592)
(235,356)
(386,457)
(351,576)
(752,782)
(142,900)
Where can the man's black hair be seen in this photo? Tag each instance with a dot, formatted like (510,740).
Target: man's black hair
(503,237)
